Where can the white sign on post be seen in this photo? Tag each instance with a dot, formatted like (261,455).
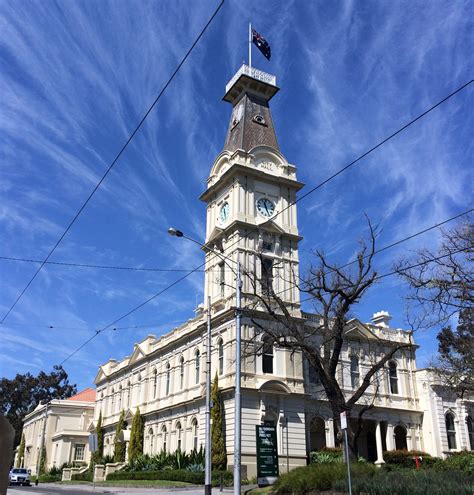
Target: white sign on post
(343,420)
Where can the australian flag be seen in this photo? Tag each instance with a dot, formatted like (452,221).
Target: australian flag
(262,44)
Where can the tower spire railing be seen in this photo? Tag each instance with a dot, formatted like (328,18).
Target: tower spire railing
(254,73)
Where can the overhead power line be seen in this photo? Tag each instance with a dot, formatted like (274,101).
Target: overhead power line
(115,160)
(318,186)
(102,267)
(400,241)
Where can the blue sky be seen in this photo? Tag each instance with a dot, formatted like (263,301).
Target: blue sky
(77,76)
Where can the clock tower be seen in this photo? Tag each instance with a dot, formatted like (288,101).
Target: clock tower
(251,190)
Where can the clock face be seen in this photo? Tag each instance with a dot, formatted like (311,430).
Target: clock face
(224,212)
(265,207)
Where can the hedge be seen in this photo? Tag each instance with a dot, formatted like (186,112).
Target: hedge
(47,478)
(405,458)
(86,476)
(410,482)
(172,475)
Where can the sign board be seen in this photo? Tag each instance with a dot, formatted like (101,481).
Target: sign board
(267,455)
(93,442)
(344,421)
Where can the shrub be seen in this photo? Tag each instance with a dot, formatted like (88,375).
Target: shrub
(318,477)
(325,456)
(458,461)
(172,475)
(405,458)
(409,482)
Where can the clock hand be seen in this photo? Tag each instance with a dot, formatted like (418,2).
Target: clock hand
(266,208)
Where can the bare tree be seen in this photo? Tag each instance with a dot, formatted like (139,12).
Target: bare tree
(442,287)
(442,283)
(335,292)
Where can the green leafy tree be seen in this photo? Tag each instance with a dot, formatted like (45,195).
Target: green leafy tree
(219,454)
(20,395)
(119,446)
(135,447)
(21,452)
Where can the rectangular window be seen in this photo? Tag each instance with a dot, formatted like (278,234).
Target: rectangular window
(267,276)
(79,451)
(222,278)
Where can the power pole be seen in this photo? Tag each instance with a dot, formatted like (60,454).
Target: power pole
(43,435)
(207,480)
(238,407)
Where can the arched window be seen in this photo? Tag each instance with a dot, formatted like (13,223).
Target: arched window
(400,437)
(120,398)
(164,434)
(139,390)
(151,438)
(470,432)
(267,355)
(197,366)
(355,371)
(195,433)
(267,276)
(179,432)
(155,382)
(450,430)
(181,372)
(393,377)
(129,392)
(220,350)
(317,433)
(168,378)
(112,402)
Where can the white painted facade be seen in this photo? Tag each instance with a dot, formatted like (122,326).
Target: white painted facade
(65,434)
(165,377)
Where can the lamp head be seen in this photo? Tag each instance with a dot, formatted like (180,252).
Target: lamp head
(175,232)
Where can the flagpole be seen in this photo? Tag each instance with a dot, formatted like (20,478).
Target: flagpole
(250,45)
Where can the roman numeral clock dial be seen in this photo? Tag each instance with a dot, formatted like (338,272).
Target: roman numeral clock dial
(265,207)
(224,212)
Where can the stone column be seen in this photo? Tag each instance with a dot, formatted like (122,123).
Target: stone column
(329,423)
(410,432)
(378,441)
(390,438)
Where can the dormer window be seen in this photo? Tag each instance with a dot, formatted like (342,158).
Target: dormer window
(259,119)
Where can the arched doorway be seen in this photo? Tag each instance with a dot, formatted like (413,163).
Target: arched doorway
(317,434)
(400,434)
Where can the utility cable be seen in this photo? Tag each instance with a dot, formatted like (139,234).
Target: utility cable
(115,160)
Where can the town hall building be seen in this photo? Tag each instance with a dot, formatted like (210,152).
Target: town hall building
(252,219)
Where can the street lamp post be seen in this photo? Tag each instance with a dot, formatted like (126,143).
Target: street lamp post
(238,346)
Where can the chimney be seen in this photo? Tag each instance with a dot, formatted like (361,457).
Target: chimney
(381,319)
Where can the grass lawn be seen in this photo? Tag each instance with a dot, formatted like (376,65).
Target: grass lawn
(133,483)
(260,491)
(140,483)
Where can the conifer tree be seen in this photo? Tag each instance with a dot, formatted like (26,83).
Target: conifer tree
(98,454)
(135,447)
(119,446)
(21,451)
(219,454)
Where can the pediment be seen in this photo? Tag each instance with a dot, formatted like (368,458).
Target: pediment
(215,234)
(138,353)
(100,376)
(356,329)
(271,226)
(91,427)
